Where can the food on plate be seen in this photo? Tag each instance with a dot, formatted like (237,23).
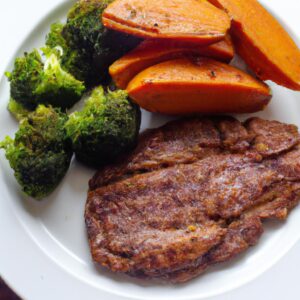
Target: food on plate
(186,141)
(197,85)
(25,78)
(57,87)
(34,82)
(17,109)
(85,31)
(194,193)
(187,20)
(153,51)
(72,59)
(107,127)
(41,153)
(262,42)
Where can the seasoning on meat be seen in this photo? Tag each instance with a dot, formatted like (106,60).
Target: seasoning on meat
(194,193)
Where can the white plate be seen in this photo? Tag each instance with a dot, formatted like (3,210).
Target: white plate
(45,242)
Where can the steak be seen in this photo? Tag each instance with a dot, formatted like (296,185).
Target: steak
(194,193)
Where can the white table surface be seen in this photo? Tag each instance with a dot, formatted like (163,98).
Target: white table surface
(17,17)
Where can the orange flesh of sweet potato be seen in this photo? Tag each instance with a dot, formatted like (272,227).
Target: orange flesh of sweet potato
(201,85)
(151,52)
(188,20)
(263,43)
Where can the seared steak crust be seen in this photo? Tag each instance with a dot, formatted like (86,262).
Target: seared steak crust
(194,193)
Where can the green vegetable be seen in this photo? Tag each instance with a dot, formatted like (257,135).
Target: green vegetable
(85,31)
(55,38)
(84,27)
(17,109)
(57,87)
(107,127)
(72,59)
(25,78)
(33,82)
(40,154)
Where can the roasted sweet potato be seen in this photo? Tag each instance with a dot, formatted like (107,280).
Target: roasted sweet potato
(201,85)
(263,43)
(153,51)
(188,20)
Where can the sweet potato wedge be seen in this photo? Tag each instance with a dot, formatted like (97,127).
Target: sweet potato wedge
(263,43)
(188,20)
(153,51)
(200,85)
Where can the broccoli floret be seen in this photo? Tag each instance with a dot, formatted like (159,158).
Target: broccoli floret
(41,153)
(57,87)
(17,109)
(72,59)
(85,31)
(55,38)
(34,82)
(25,78)
(84,27)
(107,127)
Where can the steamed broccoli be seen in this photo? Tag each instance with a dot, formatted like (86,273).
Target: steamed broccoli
(107,126)
(34,82)
(40,154)
(72,60)
(85,31)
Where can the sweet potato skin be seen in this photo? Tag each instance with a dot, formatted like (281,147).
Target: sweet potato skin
(151,52)
(187,20)
(189,86)
(263,43)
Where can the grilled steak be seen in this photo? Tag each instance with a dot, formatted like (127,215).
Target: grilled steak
(194,193)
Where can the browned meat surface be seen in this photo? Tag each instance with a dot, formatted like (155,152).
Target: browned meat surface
(194,193)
